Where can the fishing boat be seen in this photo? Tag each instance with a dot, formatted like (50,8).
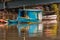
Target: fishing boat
(3,21)
(12,21)
(32,15)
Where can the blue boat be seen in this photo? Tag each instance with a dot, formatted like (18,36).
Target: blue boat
(12,21)
(32,15)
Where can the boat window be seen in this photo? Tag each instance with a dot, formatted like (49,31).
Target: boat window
(23,14)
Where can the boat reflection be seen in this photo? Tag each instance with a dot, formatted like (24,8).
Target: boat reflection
(3,25)
(32,29)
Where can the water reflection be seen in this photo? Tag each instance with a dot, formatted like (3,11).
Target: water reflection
(33,30)
(3,25)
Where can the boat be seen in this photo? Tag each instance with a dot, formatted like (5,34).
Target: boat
(12,21)
(32,15)
(3,21)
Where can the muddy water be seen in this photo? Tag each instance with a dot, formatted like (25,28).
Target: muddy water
(23,32)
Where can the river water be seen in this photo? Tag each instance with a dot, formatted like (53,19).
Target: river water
(24,32)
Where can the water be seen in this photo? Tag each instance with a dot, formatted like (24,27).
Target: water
(16,30)
(13,32)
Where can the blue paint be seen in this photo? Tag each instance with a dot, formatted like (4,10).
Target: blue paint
(21,19)
(12,21)
(32,28)
(33,17)
(20,26)
(32,14)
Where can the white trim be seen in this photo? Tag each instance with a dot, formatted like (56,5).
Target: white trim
(32,9)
